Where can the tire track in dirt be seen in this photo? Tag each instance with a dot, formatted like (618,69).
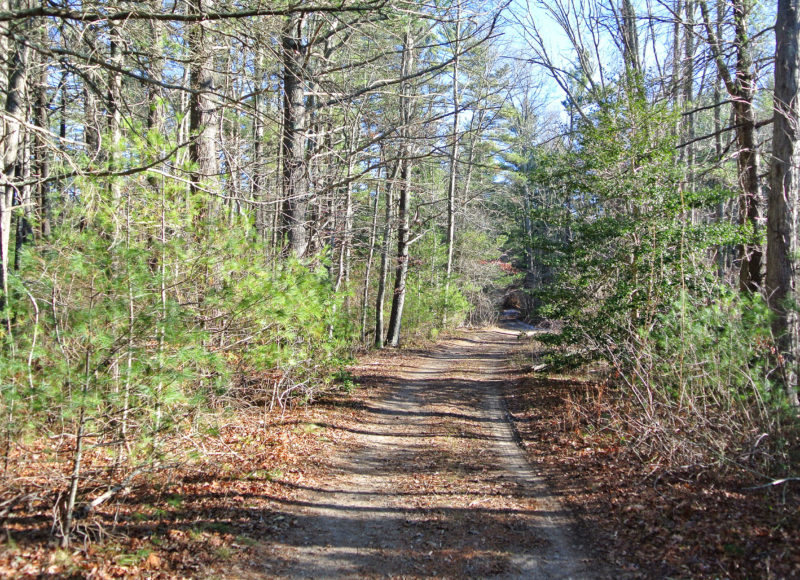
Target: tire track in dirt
(437,486)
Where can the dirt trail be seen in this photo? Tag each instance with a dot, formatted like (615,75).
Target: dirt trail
(437,486)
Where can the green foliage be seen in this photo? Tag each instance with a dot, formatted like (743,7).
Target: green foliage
(132,330)
(428,299)
(721,348)
(610,225)
(701,377)
(625,254)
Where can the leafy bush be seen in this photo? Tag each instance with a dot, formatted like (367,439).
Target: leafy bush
(629,273)
(121,336)
(697,386)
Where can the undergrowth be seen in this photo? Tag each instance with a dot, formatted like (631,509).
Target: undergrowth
(695,388)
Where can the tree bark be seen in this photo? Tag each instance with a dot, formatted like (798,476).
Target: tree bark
(11,143)
(114,101)
(203,109)
(258,181)
(380,299)
(782,218)
(741,88)
(91,124)
(451,184)
(677,68)
(630,39)
(373,232)
(41,119)
(688,93)
(295,168)
(401,267)
(404,203)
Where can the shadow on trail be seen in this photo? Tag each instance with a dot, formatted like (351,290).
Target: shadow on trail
(438,496)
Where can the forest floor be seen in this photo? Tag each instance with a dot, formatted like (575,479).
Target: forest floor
(446,461)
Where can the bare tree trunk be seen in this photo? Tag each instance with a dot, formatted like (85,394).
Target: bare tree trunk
(203,109)
(295,168)
(630,39)
(404,203)
(40,154)
(12,139)
(343,270)
(782,218)
(380,299)
(750,253)
(688,93)
(24,234)
(741,88)
(114,101)
(91,123)
(677,66)
(401,268)
(451,184)
(748,160)
(257,181)
(368,266)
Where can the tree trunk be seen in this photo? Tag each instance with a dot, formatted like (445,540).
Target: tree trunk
(741,88)
(721,250)
(24,234)
(91,123)
(155,69)
(404,204)
(677,68)
(203,109)
(630,40)
(451,184)
(688,94)
(41,158)
(258,181)
(295,169)
(11,142)
(782,221)
(401,268)
(114,101)
(368,267)
(380,299)
(750,253)
(343,270)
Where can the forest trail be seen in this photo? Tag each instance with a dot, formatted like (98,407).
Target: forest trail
(436,485)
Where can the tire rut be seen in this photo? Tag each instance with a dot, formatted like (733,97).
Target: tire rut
(437,487)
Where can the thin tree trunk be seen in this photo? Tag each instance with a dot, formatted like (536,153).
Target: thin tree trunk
(24,234)
(404,202)
(451,184)
(677,68)
(630,40)
(688,94)
(77,454)
(401,267)
(368,267)
(343,270)
(721,250)
(380,299)
(257,182)
(91,124)
(114,101)
(40,154)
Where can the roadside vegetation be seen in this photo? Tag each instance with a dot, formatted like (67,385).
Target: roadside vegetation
(209,210)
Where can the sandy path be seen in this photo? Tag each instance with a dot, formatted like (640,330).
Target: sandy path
(437,486)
